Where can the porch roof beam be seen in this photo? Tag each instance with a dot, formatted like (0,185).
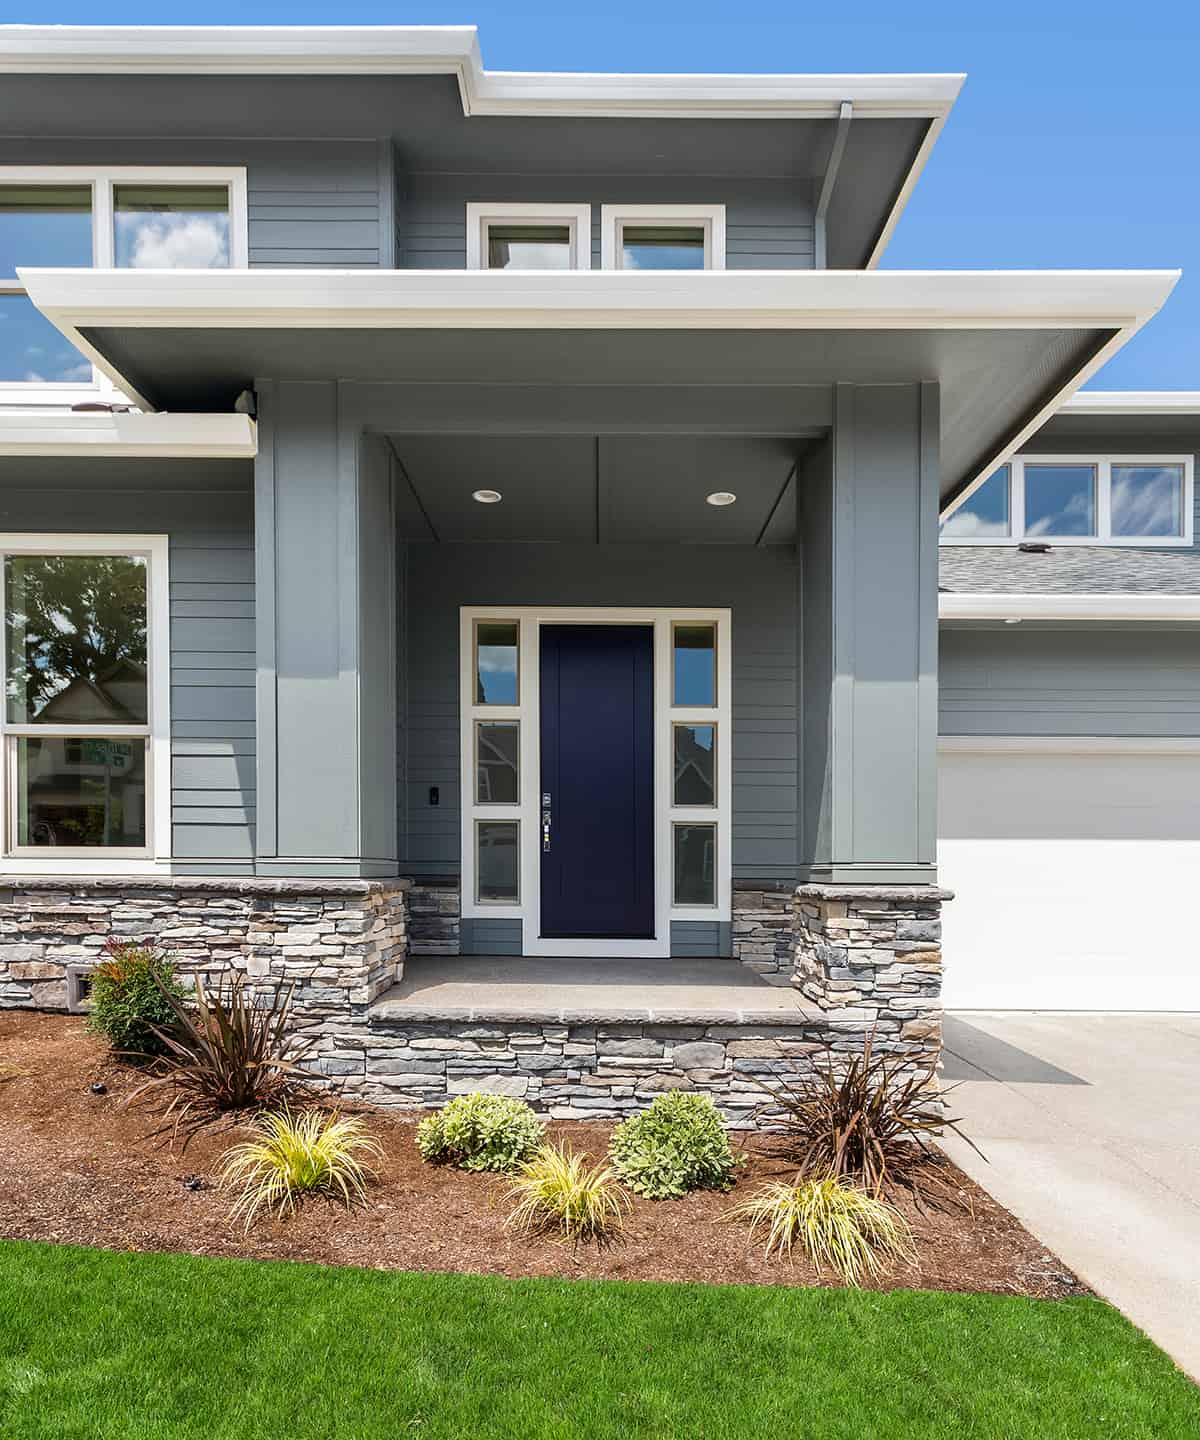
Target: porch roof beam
(130,436)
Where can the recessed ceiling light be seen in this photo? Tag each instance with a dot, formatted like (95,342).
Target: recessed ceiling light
(487,497)
(1012,620)
(721,497)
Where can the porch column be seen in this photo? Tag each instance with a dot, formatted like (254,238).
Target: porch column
(868,565)
(326,639)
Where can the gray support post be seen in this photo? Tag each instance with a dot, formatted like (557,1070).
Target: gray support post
(326,640)
(868,553)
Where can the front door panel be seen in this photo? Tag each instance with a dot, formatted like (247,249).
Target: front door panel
(597,781)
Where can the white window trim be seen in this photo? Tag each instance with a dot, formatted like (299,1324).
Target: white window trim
(527,812)
(156,857)
(101,179)
(577,219)
(710,217)
(1103,465)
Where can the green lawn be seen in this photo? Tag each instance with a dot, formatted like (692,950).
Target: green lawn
(101,1345)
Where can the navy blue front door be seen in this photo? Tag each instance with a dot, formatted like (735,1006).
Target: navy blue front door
(597,783)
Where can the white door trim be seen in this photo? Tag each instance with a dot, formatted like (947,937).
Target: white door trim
(527,812)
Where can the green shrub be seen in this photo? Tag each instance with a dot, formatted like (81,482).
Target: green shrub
(126,1000)
(481,1132)
(677,1145)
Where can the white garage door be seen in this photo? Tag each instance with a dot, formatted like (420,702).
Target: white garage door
(1076,875)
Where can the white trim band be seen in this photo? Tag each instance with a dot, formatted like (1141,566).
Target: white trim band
(1184,608)
(454,50)
(1069,744)
(1133,402)
(148,437)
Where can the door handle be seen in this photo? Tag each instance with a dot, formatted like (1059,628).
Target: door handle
(546,824)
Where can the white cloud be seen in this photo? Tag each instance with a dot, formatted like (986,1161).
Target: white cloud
(174,242)
(966,524)
(1146,502)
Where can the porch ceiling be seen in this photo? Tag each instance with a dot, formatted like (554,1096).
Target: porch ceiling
(615,489)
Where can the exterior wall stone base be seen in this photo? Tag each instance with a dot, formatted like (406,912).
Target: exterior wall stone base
(875,952)
(342,943)
(434,911)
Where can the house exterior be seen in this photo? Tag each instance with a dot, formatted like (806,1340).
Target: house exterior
(523,508)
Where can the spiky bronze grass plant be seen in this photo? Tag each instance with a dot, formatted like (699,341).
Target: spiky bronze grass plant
(227,1052)
(556,1194)
(293,1156)
(867,1119)
(839,1226)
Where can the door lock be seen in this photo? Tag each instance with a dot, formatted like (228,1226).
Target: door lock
(546,824)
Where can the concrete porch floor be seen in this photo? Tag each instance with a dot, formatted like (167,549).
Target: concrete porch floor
(508,987)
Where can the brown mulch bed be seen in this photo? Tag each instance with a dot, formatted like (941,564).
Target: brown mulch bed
(78,1167)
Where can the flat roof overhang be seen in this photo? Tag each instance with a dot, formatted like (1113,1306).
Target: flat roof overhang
(128,436)
(1007,348)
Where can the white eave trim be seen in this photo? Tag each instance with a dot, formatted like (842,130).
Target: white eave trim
(150,437)
(723,299)
(1133,402)
(1070,607)
(454,50)
(1069,744)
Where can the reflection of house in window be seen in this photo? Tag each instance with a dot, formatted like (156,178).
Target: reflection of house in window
(497,763)
(695,775)
(117,696)
(82,791)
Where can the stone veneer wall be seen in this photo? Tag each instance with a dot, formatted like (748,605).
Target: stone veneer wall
(875,951)
(864,957)
(434,918)
(341,941)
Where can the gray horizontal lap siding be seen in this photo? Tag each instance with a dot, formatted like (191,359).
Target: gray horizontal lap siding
(211,558)
(768,222)
(310,203)
(1020,681)
(759,586)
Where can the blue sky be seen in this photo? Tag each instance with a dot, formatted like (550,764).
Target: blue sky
(1075,143)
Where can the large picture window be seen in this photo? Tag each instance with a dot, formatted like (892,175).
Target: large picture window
(146,218)
(1079,500)
(85,696)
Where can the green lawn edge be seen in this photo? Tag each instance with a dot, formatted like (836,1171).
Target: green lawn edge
(97,1344)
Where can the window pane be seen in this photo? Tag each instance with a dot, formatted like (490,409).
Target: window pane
(496,649)
(695,665)
(75,639)
(984,514)
(1147,499)
(695,764)
(496,756)
(45,225)
(662,247)
(695,864)
(81,793)
(171,227)
(496,861)
(1060,500)
(32,349)
(529,247)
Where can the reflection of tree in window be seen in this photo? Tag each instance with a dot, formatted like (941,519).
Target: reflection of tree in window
(76,639)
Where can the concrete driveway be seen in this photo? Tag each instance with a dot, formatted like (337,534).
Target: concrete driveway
(1091,1125)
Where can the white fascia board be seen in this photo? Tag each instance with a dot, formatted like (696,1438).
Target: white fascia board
(1113,607)
(454,50)
(1133,402)
(729,299)
(1069,744)
(150,437)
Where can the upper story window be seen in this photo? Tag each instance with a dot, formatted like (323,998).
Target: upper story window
(662,237)
(529,237)
(146,218)
(1080,500)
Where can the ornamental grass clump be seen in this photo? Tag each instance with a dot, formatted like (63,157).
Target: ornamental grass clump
(868,1119)
(228,1052)
(295,1156)
(556,1194)
(481,1131)
(838,1225)
(132,990)
(676,1145)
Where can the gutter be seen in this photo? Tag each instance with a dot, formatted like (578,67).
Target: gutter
(1113,607)
(130,436)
